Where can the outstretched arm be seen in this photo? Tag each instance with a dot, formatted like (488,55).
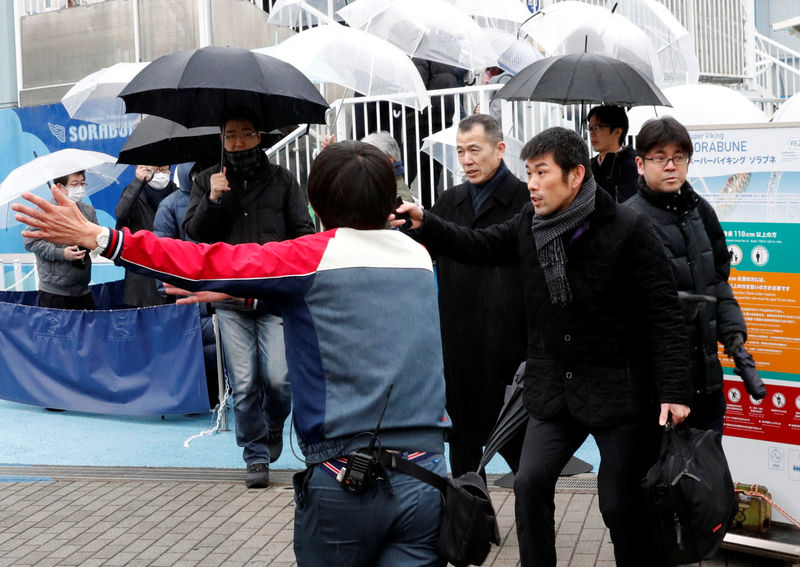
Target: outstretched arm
(61,224)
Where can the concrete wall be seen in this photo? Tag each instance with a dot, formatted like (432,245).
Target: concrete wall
(59,48)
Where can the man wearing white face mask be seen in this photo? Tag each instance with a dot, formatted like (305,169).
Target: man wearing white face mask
(65,271)
(136,210)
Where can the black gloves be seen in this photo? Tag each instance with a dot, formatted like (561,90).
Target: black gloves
(733,343)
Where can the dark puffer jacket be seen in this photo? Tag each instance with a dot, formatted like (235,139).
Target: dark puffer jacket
(697,251)
(620,346)
(267,208)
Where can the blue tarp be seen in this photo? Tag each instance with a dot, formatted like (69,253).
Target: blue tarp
(146,361)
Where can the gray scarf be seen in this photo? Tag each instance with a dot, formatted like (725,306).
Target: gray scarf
(547,234)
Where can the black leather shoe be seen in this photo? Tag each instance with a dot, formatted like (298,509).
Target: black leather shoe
(257,475)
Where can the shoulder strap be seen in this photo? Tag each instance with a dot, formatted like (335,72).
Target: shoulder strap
(393,461)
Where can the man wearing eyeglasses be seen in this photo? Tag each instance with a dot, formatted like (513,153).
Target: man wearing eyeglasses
(136,210)
(248,199)
(65,271)
(698,254)
(614,166)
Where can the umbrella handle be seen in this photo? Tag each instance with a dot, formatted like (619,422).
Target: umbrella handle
(49,185)
(336,117)
(221,155)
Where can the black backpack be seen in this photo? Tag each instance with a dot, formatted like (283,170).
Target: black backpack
(688,494)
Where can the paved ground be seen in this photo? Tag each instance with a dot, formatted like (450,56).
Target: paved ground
(70,516)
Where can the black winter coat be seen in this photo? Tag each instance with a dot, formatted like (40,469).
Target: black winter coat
(617,174)
(620,346)
(482,315)
(268,208)
(695,245)
(136,210)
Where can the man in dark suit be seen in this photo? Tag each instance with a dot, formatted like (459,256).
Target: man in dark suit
(480,307)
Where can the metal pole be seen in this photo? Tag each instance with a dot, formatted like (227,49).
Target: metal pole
(137,40)
(223,410)
(18,45)
(205,36)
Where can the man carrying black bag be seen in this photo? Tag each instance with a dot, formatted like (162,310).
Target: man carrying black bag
(607,349)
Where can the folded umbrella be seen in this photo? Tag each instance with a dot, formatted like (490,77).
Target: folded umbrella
(745,368)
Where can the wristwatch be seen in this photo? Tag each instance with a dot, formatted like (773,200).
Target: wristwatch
(102,242)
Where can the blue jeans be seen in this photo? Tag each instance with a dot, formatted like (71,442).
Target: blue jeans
(333,527)
(255,358)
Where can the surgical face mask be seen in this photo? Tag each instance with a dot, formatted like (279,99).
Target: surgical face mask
(159,180)
(76,193)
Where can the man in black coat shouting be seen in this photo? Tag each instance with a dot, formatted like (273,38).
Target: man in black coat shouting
(606,344)
(480,307)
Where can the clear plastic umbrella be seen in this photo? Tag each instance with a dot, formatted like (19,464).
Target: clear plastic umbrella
(304,13)
(441,146)
(356,60)
(575,27)
(789,110)
(94,98)
(494,14)
(700,104)
(513,54)
(428,29)
(35,176)
(672,41)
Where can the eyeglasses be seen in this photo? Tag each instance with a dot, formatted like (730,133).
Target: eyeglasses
(74,185)
(596,127)
(242,136)
(162,169)
(679,159)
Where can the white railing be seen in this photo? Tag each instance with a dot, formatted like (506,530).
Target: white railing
(352,118)
(31,7)
(776,71)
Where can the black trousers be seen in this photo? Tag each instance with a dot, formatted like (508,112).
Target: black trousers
(55,301)
(626,451)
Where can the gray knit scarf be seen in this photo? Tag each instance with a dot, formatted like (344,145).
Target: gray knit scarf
(547,234)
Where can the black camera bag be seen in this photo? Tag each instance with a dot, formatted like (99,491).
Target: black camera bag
(688,494)
(469,526)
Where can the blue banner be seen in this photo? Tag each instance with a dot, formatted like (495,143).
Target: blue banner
(146,361)
(46,129)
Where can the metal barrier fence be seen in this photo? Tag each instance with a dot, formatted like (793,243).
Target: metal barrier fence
(353,118)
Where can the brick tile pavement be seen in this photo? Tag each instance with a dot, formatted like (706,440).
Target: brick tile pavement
(199,522)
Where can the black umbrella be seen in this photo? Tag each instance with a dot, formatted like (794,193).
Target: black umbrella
(581,78)
(193,88)
(159,141)
(745,367)
(512,418)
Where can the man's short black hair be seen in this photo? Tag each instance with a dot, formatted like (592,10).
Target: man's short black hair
(658,132)
(613,116)
(491,127)
(64,179)
(237,113)
(569,150)
(352,184)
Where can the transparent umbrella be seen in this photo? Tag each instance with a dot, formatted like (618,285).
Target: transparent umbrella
(699,105)
(441,146)
(428,29)
(674,45)
(575,27)
(356,60)
(95,97)
(304,13)
(513,54)
(500,14)
(788,111)
(36,175)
